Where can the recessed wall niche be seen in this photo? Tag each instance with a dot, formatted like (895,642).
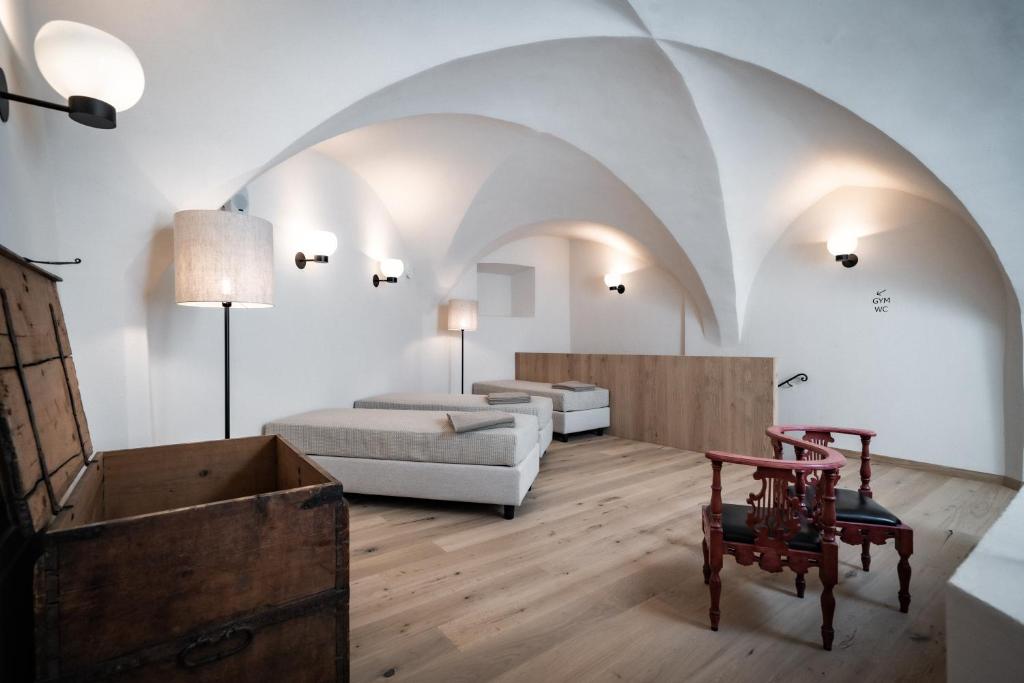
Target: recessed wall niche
(506,289)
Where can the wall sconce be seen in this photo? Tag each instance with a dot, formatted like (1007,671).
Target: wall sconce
(321,245)
(842,247)
(614,282)
(391,269)
(98,74)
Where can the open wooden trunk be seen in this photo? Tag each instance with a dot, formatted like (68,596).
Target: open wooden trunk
(215,561)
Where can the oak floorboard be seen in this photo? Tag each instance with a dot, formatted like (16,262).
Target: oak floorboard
(598,578)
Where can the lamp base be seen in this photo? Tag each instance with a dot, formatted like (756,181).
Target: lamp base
(5,105)
(377,279)
(848,260)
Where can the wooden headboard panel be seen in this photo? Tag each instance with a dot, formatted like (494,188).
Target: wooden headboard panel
(696,403)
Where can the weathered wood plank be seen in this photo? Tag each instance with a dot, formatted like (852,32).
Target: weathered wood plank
(599,578)
(133,582)
(690,402)
(58,436)
(147,480)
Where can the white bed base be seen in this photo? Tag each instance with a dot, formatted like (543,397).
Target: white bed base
(492,484)
(580,421)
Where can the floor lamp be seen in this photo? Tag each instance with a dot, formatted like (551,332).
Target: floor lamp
(223,259)
(462,315)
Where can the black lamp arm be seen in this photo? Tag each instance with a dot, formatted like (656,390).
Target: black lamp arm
(34,102)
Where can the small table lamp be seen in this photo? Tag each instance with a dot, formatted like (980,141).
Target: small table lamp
(223,259)
(462,317)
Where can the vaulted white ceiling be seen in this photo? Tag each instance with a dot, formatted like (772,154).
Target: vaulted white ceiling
(699,130)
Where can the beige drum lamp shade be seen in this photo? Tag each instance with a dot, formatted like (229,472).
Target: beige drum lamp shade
(223,257)
(462,315)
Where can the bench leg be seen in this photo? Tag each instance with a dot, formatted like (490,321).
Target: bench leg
(510,511)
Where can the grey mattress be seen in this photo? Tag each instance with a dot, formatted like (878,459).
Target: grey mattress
(539,406)
(414,435)
(562,400)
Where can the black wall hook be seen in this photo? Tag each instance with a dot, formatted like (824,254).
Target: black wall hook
(56,263)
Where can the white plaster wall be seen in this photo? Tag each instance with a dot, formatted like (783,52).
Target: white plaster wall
(646,319)
(26,194)
(927,375)
(329,339)
(490,351)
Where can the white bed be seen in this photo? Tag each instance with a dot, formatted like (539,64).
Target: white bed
(417,454)
(572,411)
(539,406)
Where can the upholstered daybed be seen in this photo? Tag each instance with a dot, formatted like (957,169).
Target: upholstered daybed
(417,454)
(573,411)
(539,406)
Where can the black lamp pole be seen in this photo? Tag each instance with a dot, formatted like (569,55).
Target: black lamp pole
(227,369)
(462,381)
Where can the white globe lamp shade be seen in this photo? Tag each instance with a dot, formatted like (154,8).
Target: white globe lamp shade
(841,245)
(392,267)
(78,59)
(612,280)
(322,243)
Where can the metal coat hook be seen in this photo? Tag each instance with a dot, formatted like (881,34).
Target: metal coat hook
(57,263)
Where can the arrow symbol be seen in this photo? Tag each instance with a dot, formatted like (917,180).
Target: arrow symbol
(879,292)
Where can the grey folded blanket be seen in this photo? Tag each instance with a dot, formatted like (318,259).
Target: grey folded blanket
(486,419)
(507,397)
(574,385)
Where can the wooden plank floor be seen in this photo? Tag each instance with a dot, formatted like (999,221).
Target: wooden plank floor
(599,579)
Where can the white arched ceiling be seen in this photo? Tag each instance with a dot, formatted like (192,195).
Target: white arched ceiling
(621,101)
(781,147)
(457,186)
(943,79)
(231,83)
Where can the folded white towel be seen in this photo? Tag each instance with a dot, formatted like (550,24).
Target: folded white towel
(473,421)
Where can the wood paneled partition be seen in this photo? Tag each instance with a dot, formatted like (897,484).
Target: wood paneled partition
(696,403)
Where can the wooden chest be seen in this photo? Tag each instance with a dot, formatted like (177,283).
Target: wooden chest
(215,561)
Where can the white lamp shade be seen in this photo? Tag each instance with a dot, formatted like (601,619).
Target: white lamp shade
(78,59)
(841,244)
(612,280)
(321,243)
(223,256)
(462,314)
(392,267)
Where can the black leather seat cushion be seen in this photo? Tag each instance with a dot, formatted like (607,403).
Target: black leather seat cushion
(852,506)
(735,529)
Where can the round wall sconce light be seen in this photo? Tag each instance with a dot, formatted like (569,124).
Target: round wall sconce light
(842,247)
(390,270)
(97,73)
(613,281)
(321,244)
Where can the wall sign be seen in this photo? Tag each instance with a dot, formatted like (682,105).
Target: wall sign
(881,301)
